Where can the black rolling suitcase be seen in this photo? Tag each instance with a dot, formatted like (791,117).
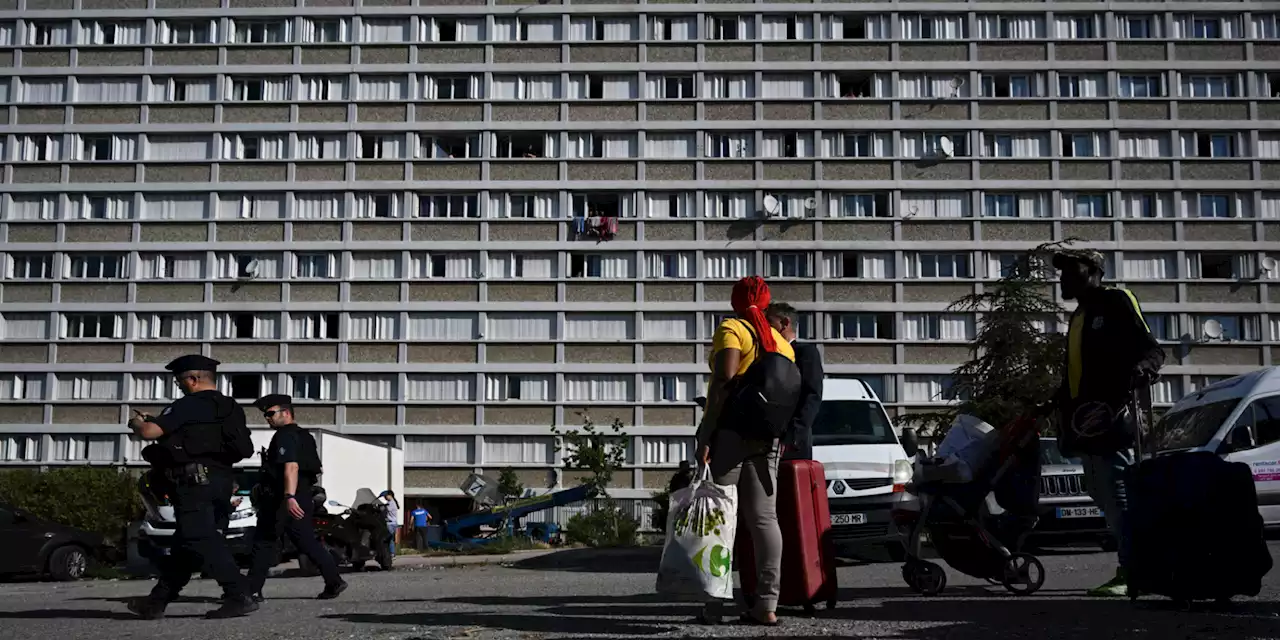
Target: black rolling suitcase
(1196,531)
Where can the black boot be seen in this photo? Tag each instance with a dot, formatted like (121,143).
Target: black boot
(233,608)
(334,590)
(146,608)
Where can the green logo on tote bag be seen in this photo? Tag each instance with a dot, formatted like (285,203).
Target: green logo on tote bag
(721,560)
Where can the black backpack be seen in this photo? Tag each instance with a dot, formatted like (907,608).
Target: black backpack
(237,442)
(308,454)
(762,401)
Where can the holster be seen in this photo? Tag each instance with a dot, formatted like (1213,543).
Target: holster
(189,475)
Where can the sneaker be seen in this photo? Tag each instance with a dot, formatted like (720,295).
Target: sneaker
(1117,587)
(233,609)
(334,590)
(258,598)
(146,608)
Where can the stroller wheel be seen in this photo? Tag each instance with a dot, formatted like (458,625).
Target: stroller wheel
(1023,574)
(926,578)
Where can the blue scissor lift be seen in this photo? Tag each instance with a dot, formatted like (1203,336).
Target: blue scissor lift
(506,521)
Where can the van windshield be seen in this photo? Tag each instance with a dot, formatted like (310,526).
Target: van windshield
(1193,427)
(842,422)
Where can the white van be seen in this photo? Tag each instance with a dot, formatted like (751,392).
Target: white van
(866,464)
(1239,419)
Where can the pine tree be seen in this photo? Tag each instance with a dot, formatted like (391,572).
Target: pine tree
(1015,365)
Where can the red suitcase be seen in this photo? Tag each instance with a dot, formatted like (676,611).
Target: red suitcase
(808,553)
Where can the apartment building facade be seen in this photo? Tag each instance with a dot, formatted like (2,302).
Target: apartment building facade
(456,223)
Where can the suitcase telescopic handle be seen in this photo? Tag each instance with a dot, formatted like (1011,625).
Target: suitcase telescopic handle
(1143,416)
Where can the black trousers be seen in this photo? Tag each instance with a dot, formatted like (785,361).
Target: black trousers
(420,537)
(274,520)
(198,545)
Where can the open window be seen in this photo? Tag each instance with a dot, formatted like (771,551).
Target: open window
(855,85)
(246,386)
(521,145)
(243,325)
(1217,266)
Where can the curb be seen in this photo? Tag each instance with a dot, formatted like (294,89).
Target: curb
(422,562)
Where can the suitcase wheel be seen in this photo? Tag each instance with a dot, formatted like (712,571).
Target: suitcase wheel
(924,577)
(1022,574)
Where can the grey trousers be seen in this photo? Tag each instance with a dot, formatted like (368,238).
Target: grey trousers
(756,477)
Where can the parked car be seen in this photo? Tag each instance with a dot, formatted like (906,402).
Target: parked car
(1066,510)
(33,546)
(154,534)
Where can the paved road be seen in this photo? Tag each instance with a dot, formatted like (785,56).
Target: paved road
(578,595)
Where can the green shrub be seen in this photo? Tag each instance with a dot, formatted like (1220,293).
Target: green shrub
(606,526)
(98,499)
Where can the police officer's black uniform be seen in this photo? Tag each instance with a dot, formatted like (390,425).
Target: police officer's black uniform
(193,460)
(289,444)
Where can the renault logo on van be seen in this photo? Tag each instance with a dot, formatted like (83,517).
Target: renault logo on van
(838,487)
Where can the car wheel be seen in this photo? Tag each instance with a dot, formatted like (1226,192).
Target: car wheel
(68,563)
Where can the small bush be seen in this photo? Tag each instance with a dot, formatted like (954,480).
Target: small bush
(98,499)
(607,526)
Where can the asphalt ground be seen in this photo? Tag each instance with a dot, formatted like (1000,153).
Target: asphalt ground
(585,594)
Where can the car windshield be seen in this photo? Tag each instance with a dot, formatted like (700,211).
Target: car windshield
(1051,455)
(851,422)
(1193,427)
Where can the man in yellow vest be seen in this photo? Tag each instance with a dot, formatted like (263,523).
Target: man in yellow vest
(1110,355)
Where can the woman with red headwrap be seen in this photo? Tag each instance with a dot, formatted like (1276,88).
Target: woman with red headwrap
(750,465)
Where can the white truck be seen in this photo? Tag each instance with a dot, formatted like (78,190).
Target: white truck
(349,464)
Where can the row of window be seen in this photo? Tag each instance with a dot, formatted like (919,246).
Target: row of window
(622,28)
(586,206)
(418,450)
(649,145)
(574,327)
(654,265)
(684,85)
(916,389)
(360,388)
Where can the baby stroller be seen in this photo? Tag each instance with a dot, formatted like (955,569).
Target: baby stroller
(977,503)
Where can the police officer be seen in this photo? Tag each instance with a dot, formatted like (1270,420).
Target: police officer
(283,499)
(197,439)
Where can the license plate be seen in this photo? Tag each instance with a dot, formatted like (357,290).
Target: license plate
(838,519)
(1079,512)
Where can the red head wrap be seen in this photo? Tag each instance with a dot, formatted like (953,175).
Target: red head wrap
(749,299)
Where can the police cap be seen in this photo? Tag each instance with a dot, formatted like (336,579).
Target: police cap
(1088,257)
(194,362)
(274,400)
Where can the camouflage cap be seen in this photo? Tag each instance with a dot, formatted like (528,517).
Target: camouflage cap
(1089,257)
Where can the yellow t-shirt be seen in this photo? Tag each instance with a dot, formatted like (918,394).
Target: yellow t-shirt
(734,334)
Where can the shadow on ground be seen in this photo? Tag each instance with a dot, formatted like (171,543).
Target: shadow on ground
(630,560)
(911,618)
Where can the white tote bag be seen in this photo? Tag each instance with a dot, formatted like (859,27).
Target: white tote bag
(698,556)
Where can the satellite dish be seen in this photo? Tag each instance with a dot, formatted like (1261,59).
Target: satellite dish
(251,269)
(957,82)
(946,148)
(812,203)
(1212,329)
(1269,263)
(771,204)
